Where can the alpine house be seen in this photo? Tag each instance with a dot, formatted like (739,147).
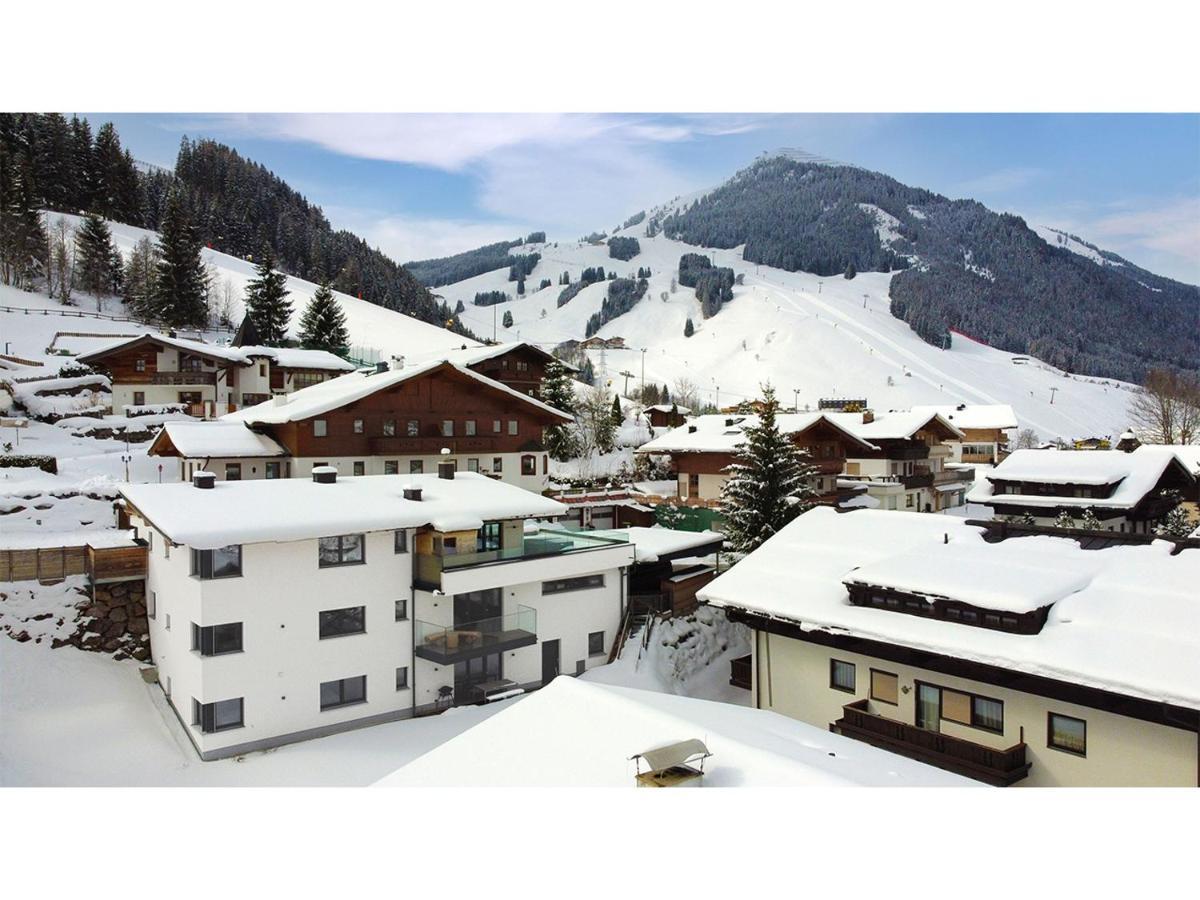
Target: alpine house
(285,609)
(1024,660)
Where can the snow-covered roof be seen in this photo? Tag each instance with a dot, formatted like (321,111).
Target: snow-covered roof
(895,425)
(654,542)
(668,407)
(721,433)
(975,415)
(596,728)
(354,386)
(288,357)
(207,440)
(1131,627)
(1135,475)
(294,509)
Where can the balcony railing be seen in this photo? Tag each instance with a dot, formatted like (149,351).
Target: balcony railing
(446,645)
(178,378)
(549,542)
(947,476)
(995,767)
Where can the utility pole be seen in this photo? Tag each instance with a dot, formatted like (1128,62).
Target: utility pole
(1052,390)
(795,399)
(643,371)
(493,323)
(865,296)
(627,375)
(819,283)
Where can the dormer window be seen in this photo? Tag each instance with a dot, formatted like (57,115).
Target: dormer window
(948,609)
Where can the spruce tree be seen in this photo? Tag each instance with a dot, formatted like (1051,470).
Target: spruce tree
(1175,524)
(266,300)
(689,329)
(850,271)
(1089,521)
(770,482)
(557,390)
(140,273)
(323,325)
(24,248)
(94,255)
(617,416)
(179,282)
(1064,519)
(508,319)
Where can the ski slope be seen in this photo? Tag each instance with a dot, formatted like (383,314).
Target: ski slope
(811,337)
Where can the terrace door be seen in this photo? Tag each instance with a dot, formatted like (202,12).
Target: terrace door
(551,661)
(929,707)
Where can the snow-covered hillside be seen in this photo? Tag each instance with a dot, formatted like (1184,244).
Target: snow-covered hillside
(820,337)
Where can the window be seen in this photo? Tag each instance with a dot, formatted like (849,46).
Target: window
(528,464)
(152,606)
(885,687)
(271,469)
(582,583)
(488,537)
(497,464)
(1067,733)
(496,426)
(522,366)
(596,643)
(360,467)
(402,678)
(339,622)
(987,714)
(389,427)
(841,675)
(168,622)
(233,471)
(447,428)
(149,540)
(343,692)
(219,716)
(402,609)
(213,640)
(320,428)
(416,466)
(224,562)
(414,428)
(391,467)
(139,398)
(472,465)
(139,365)
(512,426)
(342,550)
(908,501)
(401,541)
(262,370)
(358,426)
(306,379)
(469,427)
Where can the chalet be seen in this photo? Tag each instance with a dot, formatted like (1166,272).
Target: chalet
(281,610)
(377,422)
(520,366)
(907,465)
(619,508)
(1126,491)
(209,380)
(703,448)
(986,430)
(667,415)
(1019,660)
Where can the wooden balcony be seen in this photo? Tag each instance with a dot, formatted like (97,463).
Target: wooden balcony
(179,378)
(998,768)
(110,564)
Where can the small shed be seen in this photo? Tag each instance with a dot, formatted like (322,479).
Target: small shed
(672,764)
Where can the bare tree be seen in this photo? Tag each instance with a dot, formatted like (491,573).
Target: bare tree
(685,392)
(1166,408)
(60,276)
(1027,439)
(595,430)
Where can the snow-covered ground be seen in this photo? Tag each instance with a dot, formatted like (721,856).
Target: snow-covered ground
(819,337)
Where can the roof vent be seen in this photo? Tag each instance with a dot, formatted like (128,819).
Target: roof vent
(868,417)
(446,470)
(399,362)
(280,400)
(412,492)
(324,474)
(381,367)
(204,480)
(691,429)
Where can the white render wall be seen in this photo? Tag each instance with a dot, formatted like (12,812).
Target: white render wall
(1121,751)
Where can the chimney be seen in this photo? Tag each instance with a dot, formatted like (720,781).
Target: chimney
(206,481)
(691,429)
(446,467)
(729,423)
(399,362)
(324,474)
(381,367)
(412,492)
(280,400)
(868,416)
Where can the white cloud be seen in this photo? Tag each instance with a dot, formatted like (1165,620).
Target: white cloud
(406,238)
(1001,180)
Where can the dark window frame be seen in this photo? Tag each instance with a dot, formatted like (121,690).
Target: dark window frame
(204,639)
(400,541)
(569,585)
(596,643)
(1050,717)
(202,563)
(401,609)
(333,623)
(341,551)
(975,721)
(833,683)
(343,702)
(402,684)
(204,715)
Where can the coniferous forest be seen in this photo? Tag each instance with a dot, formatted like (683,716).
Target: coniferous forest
(964,267)
(230,203)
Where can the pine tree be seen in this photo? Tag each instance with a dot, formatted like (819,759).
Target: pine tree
(94,251)
(770,482)
(266,300)
(24,248)
(1175,524)
(851,271)
(689,329)
(179,281)
(140,274)
(1089,521)
(617,416)
(508,319)
(557,390)
(1064,519)
(323,325)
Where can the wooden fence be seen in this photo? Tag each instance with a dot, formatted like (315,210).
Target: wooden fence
(49,564)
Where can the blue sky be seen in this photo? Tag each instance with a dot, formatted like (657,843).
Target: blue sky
(420,185)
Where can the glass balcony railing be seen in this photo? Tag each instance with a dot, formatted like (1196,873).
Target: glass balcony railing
(545,542)
(467,640)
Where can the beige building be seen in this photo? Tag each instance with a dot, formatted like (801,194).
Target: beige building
(1027,661)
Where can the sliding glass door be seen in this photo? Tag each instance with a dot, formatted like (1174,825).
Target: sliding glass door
(929,707)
